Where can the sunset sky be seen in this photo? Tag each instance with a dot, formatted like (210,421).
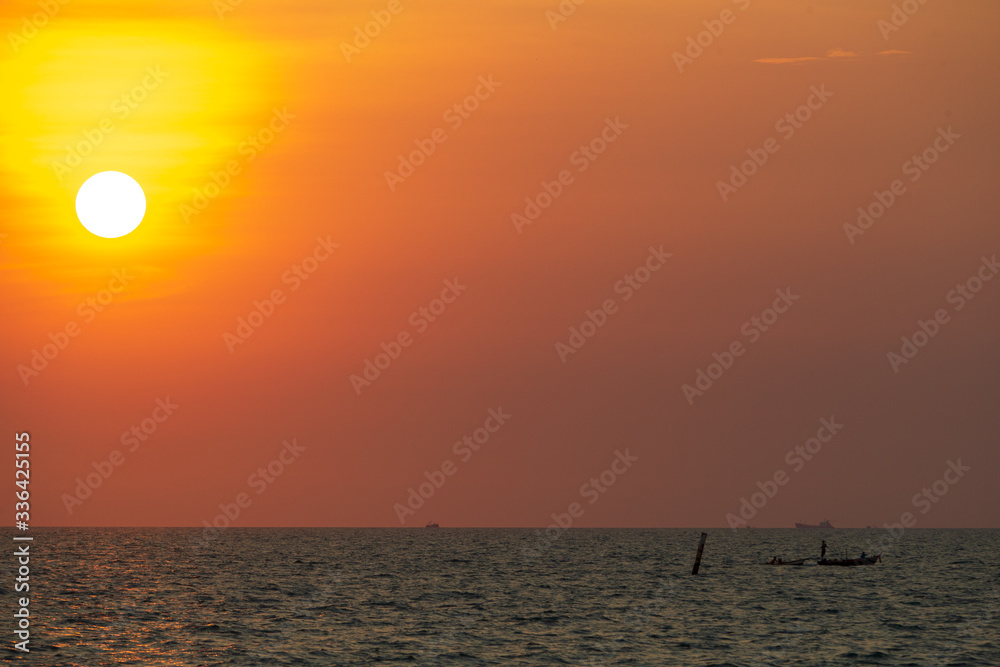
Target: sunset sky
(268,138)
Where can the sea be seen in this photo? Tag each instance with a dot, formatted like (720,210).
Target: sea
(470,596)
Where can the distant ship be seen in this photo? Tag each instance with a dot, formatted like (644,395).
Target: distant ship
(432,524)
(826,525)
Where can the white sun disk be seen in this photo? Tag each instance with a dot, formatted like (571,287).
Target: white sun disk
(110,204)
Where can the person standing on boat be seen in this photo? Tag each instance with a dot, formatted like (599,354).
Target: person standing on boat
(822,550)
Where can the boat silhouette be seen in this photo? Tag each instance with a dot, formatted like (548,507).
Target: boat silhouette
(851,562)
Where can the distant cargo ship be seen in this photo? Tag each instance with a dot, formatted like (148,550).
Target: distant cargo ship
(432,524)
(822,524)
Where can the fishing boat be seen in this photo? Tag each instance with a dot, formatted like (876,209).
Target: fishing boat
(851,562)
(825,525)
(778,561)
(432,524)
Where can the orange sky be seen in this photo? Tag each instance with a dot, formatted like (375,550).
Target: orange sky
(308,130)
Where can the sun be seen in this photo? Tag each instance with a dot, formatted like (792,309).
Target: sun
(110,204)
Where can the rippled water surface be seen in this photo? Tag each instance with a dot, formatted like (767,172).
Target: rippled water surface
(473,597)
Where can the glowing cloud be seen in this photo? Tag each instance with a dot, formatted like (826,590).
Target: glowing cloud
(837,53)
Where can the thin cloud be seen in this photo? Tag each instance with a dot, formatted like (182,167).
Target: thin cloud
(832,54)
(892,52)
(782,61)
(840,53)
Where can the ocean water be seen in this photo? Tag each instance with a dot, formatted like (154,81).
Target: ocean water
(503,597)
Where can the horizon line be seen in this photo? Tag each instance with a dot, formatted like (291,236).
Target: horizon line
(533,528)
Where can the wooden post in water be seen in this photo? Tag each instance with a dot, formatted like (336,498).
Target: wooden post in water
(701,548)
